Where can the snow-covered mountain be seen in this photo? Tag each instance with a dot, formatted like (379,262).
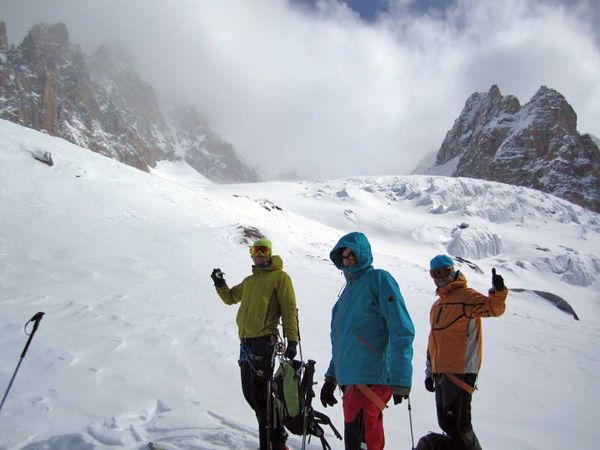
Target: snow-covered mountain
(135,345)
(100,103)
(536,145)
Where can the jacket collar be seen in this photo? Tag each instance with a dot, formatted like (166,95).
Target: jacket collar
(459,282)
(276,264)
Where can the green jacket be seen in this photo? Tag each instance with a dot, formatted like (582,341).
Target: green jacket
(265,296)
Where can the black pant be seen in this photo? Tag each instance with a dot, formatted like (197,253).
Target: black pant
(257,371)
(354,433)
(453,406)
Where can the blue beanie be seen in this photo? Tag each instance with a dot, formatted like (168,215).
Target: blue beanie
(441,261)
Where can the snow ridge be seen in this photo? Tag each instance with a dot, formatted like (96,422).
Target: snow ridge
(492,201)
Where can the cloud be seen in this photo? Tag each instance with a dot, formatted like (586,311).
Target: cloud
(322,91)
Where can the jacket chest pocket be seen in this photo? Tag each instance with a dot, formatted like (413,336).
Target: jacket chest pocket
(448,315)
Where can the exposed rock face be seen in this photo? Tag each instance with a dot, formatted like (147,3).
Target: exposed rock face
(99,103)
(3,54)
(3,38)
(204,150)
(535,145)
(130,112)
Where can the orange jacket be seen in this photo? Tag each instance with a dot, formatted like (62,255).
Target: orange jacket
(455,336)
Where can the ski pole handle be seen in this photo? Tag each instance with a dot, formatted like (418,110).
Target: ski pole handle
(36,319)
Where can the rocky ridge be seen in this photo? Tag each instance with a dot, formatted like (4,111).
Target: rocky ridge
(98,102)
(535,145)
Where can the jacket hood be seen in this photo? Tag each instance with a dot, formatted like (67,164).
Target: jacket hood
(359,244)
(276,264)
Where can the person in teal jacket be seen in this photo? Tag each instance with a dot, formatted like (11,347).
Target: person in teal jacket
(371,340)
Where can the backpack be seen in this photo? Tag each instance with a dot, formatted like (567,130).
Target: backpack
(437,441)
(292,388)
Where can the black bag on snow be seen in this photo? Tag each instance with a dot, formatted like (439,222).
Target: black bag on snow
(293,393)
(437,441)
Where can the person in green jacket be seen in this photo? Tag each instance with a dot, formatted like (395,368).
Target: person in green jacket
(264,297)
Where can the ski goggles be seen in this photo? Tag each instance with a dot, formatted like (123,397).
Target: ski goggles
(260,250)
(442,272)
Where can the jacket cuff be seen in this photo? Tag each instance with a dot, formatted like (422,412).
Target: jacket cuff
(330,379)
(399,390)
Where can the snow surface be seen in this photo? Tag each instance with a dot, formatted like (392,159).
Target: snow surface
(446,169)
(136,346)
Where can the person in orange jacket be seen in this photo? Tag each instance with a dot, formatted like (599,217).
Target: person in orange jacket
(454,347)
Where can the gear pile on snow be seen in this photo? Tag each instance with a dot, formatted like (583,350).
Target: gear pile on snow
(293,392)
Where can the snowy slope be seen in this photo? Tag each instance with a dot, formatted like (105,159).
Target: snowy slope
(136,346)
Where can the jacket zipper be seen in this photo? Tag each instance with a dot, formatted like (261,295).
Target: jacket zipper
(337,332)
(437,319)
(437,350)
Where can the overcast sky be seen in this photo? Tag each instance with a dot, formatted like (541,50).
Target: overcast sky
(331,88)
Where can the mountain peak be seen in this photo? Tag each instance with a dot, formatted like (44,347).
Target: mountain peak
(494,91)
(554,106)
(536,145)
(480,109)
(48,35)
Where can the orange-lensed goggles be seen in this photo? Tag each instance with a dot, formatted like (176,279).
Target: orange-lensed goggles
(442,272)
(260,250)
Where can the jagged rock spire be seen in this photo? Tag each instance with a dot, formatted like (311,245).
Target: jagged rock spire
(3,38)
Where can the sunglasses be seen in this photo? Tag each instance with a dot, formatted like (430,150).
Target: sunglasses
(348,254)
(260,250)
(442,272)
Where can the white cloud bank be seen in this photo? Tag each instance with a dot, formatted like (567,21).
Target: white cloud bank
(325,93)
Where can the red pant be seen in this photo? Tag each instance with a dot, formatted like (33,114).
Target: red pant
(370,400)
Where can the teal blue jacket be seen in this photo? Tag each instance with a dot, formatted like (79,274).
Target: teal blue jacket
(371,330)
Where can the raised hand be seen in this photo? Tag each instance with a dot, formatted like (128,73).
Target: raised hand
(217,277)
(497,281)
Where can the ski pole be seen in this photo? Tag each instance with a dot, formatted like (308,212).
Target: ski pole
(307,388)
(36,323)
(299,338)
(412,436)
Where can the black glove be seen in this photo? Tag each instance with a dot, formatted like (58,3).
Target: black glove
(429,384)
(497,281)
(290,351)
(327,397)
(399,393)
(217,277)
